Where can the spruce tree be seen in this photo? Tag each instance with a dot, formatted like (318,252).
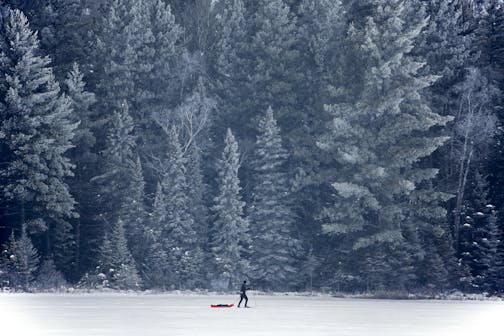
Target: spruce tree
(159,213)
(38,132)
(82,101)
(272,224)
(20,261)
(86,163)
(112,59)
(126,275)
(378,135)
(49,278)
(138,58)
(433,254)
(112,54)
(480,235)
(115,182)
(488,42)
(153,266)
(121,186)
(116,261)
(496,269)
(229,234)
(492,253)
(134,215)
(197,191)
(178,233)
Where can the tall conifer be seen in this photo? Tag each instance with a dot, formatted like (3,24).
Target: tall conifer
(272,221)
(229,234)
(178,230)
(86,163)
(38,131)
(377,136)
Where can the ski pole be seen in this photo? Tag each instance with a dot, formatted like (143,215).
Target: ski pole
(255,302)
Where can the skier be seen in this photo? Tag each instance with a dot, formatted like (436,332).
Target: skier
(243,294)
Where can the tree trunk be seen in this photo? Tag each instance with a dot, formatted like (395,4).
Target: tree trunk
(464,171)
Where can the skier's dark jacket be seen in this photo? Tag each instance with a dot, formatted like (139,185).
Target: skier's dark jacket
(243,290)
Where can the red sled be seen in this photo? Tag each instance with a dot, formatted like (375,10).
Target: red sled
(222,305)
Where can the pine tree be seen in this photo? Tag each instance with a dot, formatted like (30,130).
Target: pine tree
(230,237)
(63,25)
(38,132)
(271,218)
(446,48)
(378,134)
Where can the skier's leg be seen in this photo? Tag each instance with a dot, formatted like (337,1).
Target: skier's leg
(241,299)
(246,301)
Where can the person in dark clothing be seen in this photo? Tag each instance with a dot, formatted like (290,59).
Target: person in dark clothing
(243,294)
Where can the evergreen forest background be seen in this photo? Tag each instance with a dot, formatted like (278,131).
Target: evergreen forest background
(344,145)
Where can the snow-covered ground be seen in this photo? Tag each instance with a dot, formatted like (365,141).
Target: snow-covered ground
(177,314)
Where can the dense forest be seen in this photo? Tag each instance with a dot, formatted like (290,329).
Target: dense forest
(344,145)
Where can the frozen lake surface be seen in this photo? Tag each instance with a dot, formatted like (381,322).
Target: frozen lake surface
(177,314)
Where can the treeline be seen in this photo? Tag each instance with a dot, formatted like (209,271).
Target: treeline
(160,144)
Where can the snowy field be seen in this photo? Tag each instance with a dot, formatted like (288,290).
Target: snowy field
(171,315)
